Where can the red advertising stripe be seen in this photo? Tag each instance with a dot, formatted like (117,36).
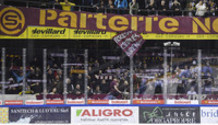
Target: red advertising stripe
(75,101)
(13,102)
(148,101)
(53,102)
(119,102)
(34,102)
(209,102)
(98,101)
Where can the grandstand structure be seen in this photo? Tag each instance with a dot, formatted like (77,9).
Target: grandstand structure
(46,64)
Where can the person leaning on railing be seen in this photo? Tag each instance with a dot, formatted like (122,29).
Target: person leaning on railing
(201,8)
(212,7)
(133,7)
(110,6)
(66,5)
(176,8)
(163,7)
(121,4)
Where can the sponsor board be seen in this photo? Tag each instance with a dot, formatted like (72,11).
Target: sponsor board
(40,115)
(104,115)
(4,115)
(108,101)
(181,102)
(209,115)
(75,102)
(119,101)
(48,33)
(53,102)
(34,102)
(148,101)
(163,115)
(13,102)
(209,102)
(91,34)
(98,101)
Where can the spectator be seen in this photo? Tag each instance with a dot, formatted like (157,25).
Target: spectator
(124,87)
(207,70)
(192,93)
(163,8)
(54,91)
(67,6)
(100,6)
(50,79)
(176,7)
(110,6)
(97,90)
(143,4)
(37,88)
(60,74)
(114,90)
(158,87)
(104,87)
(212,7)
(183,4)
(150,89)
(20,77)
(90,91)
(79,80)
(143,86)
(133,7)
(121,4)
(35,63)
(186,73)
(152,6)
(69,86)
(207,88)
(201,8)
(59,85)
(180,88)
(77,91)
(56,5)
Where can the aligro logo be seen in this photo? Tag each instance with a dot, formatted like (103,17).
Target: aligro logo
(12,20)
(104,112)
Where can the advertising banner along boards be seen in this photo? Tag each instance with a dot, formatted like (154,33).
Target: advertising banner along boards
(209,115)
(104,115)
(39,115)
(170,115)
(4,115)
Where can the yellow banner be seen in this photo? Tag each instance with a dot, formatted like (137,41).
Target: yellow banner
(35,32)
(78,71)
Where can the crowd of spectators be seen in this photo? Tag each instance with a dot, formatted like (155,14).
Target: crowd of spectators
(142,7)
(109,76)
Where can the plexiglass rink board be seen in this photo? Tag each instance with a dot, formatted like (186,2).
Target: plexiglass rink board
(182,76)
